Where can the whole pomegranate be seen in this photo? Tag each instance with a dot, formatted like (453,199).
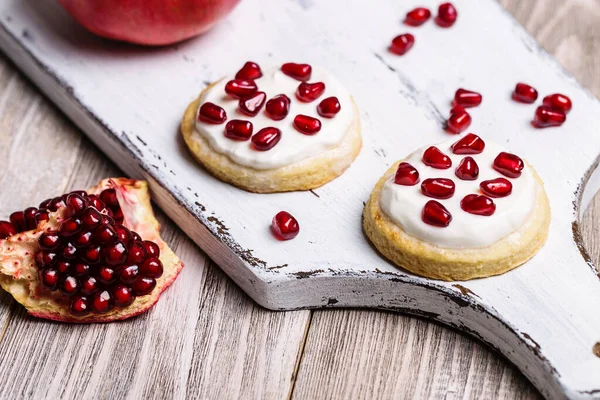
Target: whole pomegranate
(148,22)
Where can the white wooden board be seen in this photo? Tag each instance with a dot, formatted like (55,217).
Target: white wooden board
(129,100)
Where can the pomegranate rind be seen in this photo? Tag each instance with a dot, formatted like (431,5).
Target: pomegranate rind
(19,274)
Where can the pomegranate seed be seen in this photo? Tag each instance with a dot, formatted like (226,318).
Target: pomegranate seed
(406,175)
(278,107)
(251,105)
(81,269)
(136,237)
(123,234)
(106,275)
(308,92)
(69,251)
(137,253)
(447,15)
(69,286)
(50,278)
(401,44)
(49,240)
(508,164)
(82,239)
(284,226)
(300,72)
(18,220)
(249,71)
(434,158)
(56,203)
(102,302)
(238,129)
(143,285)
(89,285)
(128,273)
(459,120)
(467,98)
(439,188)
(109,198)
(499,187)
(212,114)
(329,107)
(115,253)
(6,229)
(45,204)
(41,215)
(104,234)
(75,204)
(240,88)
(79,306)
(524,93)
(546,117)
(92,254)
(152,248)
(558,102)
(118,216)
(478,205)
(46,259)
(266,138)
(63,267)
(30,220)
(96,202)
(467,169)
(90,218)
(152,267)
(69,227)
(434,213)
(123,296)
(307,125)
(469,144)
(417,17)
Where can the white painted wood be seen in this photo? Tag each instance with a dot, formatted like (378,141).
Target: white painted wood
(542,316)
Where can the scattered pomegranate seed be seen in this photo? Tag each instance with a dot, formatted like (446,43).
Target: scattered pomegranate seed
(467,98)
(558,102)
(467,169)
(308,92)
(278,107)
(417,16)
(406,175)
(469,144)
(508,164)
(434,158)
(284,226)
(240,88)
(439,188)
(212,114)
(459,120)
(434,213)
(478,205)
(250,71)
(307,125)
(266,138)
(524,93)
(301,72)
(401,44)
(546,117)
(447,15)
(499,187)
(329,107)
(238,129)
(251,105)
(6,229)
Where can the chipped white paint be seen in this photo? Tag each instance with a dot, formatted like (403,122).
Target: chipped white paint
(542,316)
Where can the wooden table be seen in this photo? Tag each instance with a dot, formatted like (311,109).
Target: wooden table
(206,338)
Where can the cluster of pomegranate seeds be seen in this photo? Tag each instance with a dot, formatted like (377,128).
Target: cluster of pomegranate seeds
(438,188)
(284,226)
(552,112)
(21,221)
(434,158)
(460,120)
(94,259)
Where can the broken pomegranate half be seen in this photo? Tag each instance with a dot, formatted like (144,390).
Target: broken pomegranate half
(87,256)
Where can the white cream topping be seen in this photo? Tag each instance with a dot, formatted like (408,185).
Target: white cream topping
(293,146)
(404,204)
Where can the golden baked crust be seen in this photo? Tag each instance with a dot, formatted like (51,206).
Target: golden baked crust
(431,261)
(307,174)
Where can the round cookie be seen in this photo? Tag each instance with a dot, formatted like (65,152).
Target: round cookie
(298,160)
(484,226)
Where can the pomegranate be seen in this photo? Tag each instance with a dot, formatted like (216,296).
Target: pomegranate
(558,102)
(434,158)
(447,15)
(417,16)
(524,93)
(546,117)
(148,22)
(434,213)
(467,98)
(438,188)
(87,261)
(406,175)
(467,169)
(401,44)
(284,226)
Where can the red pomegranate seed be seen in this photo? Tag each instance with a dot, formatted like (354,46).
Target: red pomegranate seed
(79,306)
(69,227)
(406,175)
(18,220)
(75,204)
(417,16)
(92,254)
(499,187)
(249,71)
(50,278)
(307,125)
(118,216)
(81,269)
(478,205)
(41,215)
(143,285)
(459,120)
(266,138)
(240,88)
(96,202)
(469,144)
(89,285)
(447,15)
(467,169)
(308,92)
(102,302)
(558,102)
(137,253)
(115,253)
(508,164)
(45,204)
(524,93)
(238,129)
(123,296)
(284,226)
(301,72)
(46,259)
(69,286)
(69,251)
(63,267)
(56,203)
(401,44)
(278,107)
(6,229)
(90,218)
(212,113)
(546,117)
(129,273)
(152,248)
(106,275)
(251,105)
(109,198)
(467,98)
(434,158)
(123,234)
(30,220)
(82,239)
(136,237)
(439,188)
(104,234)
(329,107)
(434,213)
(152,267)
